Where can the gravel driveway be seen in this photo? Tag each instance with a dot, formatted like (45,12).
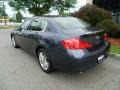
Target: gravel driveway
(20,71)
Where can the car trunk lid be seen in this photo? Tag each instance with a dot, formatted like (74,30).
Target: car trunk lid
(91,35)
(96,39)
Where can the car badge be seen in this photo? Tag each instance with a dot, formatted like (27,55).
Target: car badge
(97,37)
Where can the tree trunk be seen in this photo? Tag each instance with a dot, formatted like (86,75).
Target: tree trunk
(61,12)
(4,13)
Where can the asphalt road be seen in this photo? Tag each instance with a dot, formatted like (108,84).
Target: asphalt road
(21,71)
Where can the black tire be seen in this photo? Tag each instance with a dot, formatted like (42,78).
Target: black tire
(14,42)
(50,67)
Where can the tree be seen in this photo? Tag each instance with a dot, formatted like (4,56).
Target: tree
(111,5)
(19,17)
(16,6)
(36,7)
(62,5)
(3,13)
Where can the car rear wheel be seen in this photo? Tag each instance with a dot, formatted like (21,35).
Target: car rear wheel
(45,62)
(14,42)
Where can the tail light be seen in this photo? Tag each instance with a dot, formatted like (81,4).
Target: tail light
(105,37)
(75,43)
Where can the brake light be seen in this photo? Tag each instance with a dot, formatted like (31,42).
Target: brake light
(75,43)
(105,37)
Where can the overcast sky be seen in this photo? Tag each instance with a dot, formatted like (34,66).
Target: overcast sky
(11,13)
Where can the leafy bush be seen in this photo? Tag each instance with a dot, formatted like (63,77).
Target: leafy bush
(100,18)
(92,14)
(111,28)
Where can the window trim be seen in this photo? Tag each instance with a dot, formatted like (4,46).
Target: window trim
(46,24)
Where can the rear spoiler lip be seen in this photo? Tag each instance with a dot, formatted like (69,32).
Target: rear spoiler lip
(94,32)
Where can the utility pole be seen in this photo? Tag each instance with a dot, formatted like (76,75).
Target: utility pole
(4,12)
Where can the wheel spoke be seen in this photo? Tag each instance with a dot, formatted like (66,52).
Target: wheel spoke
(43,60)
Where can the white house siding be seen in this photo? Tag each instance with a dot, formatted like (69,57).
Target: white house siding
(89,1)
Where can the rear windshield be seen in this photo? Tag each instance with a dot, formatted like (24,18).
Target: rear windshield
(68,23)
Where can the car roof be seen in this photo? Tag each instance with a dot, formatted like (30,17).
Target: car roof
(48,16)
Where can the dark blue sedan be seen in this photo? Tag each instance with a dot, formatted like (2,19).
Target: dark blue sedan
(62,43)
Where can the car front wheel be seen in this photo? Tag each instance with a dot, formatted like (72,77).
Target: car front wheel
(14,42)
(45,62)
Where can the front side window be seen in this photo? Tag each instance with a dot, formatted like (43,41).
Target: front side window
(25,24)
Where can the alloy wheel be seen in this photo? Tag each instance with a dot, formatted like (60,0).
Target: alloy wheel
(43,61)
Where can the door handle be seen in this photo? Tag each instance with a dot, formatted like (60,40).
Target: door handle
(20,34)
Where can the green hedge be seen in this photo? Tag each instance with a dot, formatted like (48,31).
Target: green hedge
(92,14)
(111,28)
(99,17)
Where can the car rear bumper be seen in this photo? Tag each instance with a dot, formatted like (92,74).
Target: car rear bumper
(79,60)
(83,63)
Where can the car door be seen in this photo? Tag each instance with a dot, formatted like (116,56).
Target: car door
(19,34)
(31,35)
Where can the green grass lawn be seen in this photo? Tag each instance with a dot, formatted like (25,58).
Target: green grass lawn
(115,49)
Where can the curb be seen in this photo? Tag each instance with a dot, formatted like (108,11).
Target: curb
(115,56)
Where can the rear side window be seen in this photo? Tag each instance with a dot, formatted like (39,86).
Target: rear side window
(35,25)
(68,23)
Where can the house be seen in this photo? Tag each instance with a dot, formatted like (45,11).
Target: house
(89,1)
(2,19)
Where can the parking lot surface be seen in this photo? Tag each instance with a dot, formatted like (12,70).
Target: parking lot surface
(20,71)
